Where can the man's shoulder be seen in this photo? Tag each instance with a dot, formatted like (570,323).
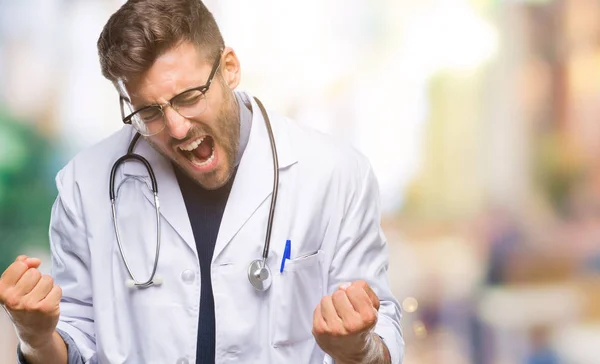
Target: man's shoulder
(323,151)
(96,160)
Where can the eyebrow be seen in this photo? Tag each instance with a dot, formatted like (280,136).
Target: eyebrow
(145,104)
(178,94)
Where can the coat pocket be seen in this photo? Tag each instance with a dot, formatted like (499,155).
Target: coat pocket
(297,291)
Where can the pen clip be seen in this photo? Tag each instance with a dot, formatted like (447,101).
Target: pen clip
(286,254)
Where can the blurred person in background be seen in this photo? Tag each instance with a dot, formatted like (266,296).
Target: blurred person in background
(542,351)
(212,158)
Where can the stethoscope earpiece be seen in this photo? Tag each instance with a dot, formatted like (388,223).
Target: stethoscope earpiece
(156,281)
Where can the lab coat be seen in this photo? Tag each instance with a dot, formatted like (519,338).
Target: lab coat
(328,206)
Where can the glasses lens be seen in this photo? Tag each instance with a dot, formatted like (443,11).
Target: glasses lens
(190,104)
(148,121)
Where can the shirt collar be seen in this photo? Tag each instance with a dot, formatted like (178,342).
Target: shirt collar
(244,104)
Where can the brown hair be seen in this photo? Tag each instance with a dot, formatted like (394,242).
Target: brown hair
(141,30)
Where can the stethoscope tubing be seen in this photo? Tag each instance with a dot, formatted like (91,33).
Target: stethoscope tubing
(260,282)
(265,253)
(131,156)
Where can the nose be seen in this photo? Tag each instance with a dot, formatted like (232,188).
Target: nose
(176,125)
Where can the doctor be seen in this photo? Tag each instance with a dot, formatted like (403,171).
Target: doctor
(321,294)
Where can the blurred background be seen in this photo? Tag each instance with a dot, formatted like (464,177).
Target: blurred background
(480,118)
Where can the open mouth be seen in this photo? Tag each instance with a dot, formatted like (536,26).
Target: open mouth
(200,152)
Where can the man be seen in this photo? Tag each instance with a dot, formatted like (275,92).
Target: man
(209,148)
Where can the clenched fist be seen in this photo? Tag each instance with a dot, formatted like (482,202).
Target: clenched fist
(343,325)
(31,300)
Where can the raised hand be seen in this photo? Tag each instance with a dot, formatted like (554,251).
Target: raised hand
(31,300)
(343,325)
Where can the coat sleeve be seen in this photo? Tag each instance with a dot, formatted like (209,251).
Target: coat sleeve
(71,266)
(73,354)
(361,253)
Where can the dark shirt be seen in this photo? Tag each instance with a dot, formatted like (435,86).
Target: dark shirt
(205,210)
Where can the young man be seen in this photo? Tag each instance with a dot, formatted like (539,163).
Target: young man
(326,296)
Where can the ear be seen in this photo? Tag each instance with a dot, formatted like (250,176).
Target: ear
(230,68)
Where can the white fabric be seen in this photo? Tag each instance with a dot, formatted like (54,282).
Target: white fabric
(328,206)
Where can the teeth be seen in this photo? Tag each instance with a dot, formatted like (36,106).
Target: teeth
(195,161)
(193,145)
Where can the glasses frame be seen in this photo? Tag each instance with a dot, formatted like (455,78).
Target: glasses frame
(203,89)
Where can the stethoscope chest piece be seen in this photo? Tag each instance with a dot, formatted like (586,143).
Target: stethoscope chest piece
(259,275)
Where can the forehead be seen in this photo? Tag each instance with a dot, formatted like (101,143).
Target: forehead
(174,71)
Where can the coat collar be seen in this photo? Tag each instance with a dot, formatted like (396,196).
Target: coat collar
(252,185)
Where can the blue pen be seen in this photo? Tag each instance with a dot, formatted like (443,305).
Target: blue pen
(286,254)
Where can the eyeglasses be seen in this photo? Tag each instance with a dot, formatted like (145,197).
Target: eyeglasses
(150,120)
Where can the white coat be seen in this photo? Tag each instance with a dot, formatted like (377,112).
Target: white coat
(328,206)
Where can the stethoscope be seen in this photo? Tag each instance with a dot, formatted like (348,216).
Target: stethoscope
(259,273)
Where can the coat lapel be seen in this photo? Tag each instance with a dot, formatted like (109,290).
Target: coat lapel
(172,206)
(253,183)
(252,186)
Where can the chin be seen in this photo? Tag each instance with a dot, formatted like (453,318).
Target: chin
(212,180)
